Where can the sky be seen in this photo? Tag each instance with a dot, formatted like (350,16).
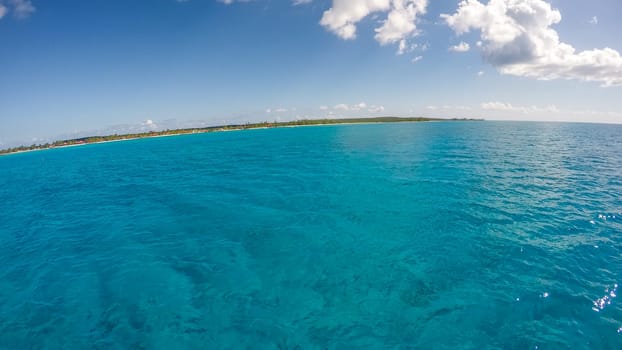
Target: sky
(73,68)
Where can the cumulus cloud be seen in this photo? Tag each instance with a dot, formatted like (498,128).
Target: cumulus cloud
(401,21)
(517,38)
(343,16)
(462,47)
(399,25)
(149,125)
(19,8)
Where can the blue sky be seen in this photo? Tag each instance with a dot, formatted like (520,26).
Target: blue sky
(73,68)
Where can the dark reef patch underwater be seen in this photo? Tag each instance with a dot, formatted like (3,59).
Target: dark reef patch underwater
(391,236)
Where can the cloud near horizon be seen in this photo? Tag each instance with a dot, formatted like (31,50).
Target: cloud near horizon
(500,106)
(359,107)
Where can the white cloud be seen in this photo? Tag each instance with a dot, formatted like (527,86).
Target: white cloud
(343,16)
(399,25)
(342,107)
(480,73)
(345,107)
(594,20)
(416,59)
(375,109)
(448,108)
(301,2)
(148,125)
(518,39)
(357,107)
(323,108)
(277,110)
(497,106)
(227,2)
(405,47)
(462,47)
(401,21)
(20,8)
(402,47)
(500,106)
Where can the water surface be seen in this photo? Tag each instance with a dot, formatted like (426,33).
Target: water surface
(392,236)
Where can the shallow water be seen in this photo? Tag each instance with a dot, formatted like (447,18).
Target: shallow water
(399,236)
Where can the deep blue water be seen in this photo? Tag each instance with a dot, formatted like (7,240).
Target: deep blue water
(471,235)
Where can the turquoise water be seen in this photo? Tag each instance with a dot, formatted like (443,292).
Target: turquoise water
(394,236)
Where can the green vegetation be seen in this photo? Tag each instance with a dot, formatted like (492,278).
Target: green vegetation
(95,139)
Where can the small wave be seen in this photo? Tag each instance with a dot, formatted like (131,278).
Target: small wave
(601,303)
(605,217)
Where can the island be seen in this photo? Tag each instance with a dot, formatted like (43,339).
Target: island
(262,125)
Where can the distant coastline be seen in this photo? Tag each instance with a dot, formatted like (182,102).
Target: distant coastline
(263,125)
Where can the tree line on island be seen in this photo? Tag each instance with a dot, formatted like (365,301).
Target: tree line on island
(275,124)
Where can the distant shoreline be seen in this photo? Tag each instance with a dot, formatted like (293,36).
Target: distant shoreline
(236,127)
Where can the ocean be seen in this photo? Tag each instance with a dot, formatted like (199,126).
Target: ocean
(436,235)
